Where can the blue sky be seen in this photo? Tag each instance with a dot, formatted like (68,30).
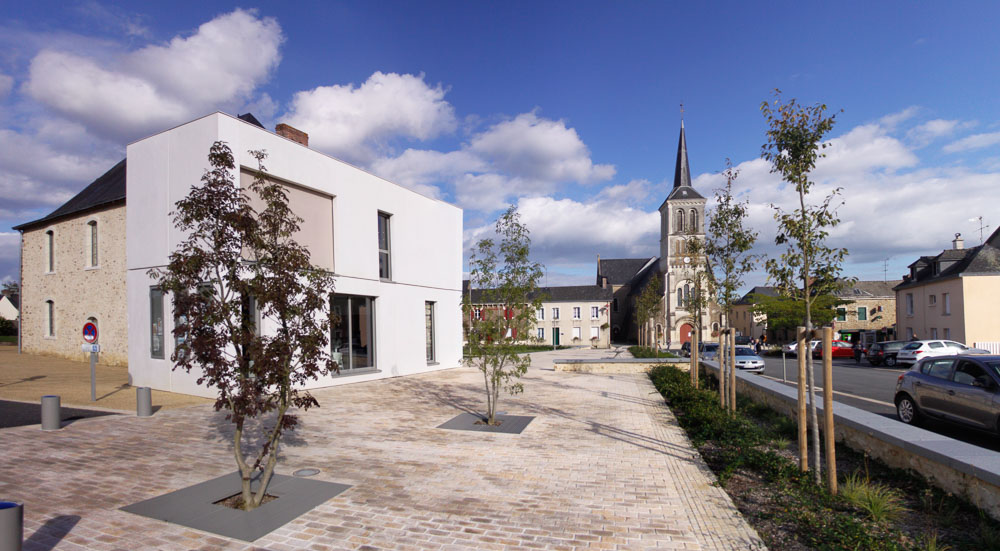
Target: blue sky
(569,110)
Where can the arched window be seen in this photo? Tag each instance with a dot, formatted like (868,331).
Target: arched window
(694,221)
(92,226)
(680,220)
(50,245)
(680,297)
(687,293)
(50,318)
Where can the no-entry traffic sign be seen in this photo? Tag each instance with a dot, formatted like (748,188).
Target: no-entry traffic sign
(90,332)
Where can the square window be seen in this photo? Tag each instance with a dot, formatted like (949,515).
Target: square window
(576,312)
(577,332)
(862,313)
(841,314)
(555,313)
(595,312)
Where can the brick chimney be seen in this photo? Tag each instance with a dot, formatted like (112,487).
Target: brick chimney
(293,134)
(958,242)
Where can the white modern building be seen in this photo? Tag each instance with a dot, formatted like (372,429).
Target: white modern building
(396,254)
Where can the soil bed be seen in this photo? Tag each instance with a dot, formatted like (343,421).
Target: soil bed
(235,501)
(754,456)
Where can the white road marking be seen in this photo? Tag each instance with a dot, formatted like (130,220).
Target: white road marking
(855,396)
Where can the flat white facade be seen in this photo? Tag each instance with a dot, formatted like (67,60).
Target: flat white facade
(425,250)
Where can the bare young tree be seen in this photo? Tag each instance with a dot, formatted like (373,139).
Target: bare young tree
(808,268)
(648,309)
(700,302)
(235,257)
(508,280)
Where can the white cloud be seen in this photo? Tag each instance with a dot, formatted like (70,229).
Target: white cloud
(416,167)
(155,86)
(355,123)
(891,121)
(539,149)
(975,141)
(929,131)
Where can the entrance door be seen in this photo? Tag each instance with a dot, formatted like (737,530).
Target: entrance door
(686,333)
(555,337)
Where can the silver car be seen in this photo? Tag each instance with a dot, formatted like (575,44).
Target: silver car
(748,360)
(957,388)
(708,351)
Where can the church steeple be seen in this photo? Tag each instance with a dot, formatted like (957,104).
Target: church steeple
(682,173)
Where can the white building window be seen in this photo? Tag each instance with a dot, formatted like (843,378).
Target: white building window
(946,298)
(576,312)
(555,313)
(541,333)
(577,332)
(595,332)
(909,304)
(384,264)
(947,332)
(595,312)
(156,323)
(932,300)
(92,242)
(934,332)
(429,328)
(540,314)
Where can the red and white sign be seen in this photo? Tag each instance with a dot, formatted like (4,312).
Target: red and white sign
(90,332)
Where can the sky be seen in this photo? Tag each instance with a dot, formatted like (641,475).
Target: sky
(570,111)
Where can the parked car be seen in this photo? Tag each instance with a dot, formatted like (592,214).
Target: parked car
(918,350)
(742,339)
(884,353)
(838,349)
(791,347)
(959,388)
(748,360)
(708,350)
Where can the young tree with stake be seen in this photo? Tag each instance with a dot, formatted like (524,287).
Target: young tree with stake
(508,279)
(808,267)
(233,257)
(727,247)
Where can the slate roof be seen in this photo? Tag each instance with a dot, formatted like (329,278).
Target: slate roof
(570,293)
(248,117)
(620,271)
(868,289)
(107,189)
(682,172)
(760,290)
(981,260)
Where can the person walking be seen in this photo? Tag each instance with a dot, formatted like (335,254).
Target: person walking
(858,351)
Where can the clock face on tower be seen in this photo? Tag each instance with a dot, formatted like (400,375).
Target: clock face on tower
(687,259)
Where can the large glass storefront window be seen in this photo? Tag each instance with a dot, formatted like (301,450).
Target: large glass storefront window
(352,339)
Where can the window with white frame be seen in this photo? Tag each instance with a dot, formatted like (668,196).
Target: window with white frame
(540,314)
(541,333)
(932,300)
(577,332)
(947,332)
(934,332)
(384,261)
(50,251)
(555,313)
(946,298)
(862,313)
(576,312)
(50,318)
(595,312)
(595,332)
(92,243)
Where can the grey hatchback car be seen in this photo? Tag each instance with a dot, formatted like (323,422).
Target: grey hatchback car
(964,389)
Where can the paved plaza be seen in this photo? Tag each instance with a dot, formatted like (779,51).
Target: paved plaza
(602,466)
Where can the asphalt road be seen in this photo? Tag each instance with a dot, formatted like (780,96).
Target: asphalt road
(871,389)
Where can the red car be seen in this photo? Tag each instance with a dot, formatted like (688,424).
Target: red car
(841,349)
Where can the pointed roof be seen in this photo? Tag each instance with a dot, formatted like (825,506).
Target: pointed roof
(682,172)
(109,188)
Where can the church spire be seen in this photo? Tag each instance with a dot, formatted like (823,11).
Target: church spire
(682,174)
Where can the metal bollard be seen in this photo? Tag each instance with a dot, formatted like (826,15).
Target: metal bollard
(51,416)
(11,525)
(143,402)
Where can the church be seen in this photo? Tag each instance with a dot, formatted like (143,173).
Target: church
(682,218)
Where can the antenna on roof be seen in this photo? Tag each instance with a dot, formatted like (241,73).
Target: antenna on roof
(981,227)
(885,270)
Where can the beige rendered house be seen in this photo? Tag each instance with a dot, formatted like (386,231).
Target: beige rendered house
(954,295)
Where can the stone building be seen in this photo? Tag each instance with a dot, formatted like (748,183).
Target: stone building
(953,295)
(871,307)
(73,271)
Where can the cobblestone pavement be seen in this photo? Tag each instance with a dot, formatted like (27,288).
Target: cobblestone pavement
(603,466)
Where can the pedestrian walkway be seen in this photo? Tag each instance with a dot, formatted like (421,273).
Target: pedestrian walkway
(602,466)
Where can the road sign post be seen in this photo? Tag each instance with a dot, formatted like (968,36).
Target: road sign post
(90,340)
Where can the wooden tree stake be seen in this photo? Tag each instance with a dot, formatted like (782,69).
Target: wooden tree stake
(831,458)
(803,349)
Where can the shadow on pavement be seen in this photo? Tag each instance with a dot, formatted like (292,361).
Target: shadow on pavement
(51,533)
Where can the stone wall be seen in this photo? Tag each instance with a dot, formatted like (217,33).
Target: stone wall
(78,291)
(623,365)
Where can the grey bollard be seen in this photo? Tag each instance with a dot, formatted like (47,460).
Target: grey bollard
(143,402)
(51,416)
(11,525)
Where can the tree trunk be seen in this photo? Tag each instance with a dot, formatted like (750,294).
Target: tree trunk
(813,416)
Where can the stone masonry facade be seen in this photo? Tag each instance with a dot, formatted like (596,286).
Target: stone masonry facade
(78,290)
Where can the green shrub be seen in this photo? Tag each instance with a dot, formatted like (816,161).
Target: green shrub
(648,352)
(881,502)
